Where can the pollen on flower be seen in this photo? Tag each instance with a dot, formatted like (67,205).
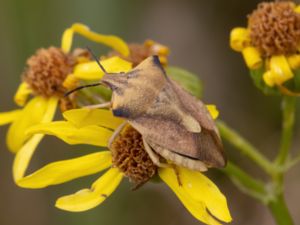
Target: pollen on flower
(129,155)
(139,52)
(275,28)
(47,70)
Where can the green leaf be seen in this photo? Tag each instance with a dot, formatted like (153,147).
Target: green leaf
(104,92)
(92,95)
(189,81)
(297,79)
(257,77)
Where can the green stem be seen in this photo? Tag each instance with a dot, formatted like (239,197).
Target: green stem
(280,211)
(245,147)
(289,164)
(245,182)
(278,206)
(288,108)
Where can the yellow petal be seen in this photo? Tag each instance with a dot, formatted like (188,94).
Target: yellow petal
(89,198)
(297,9)
(24,155)
(239,39)
(36,110)
(252,57)
(70,82)
(268,77)
(67,39)
(66,131)
(213,111)
(91,70)
(112,41)
(22,94)
(198,194)
(294,61)
(66,170)
(50,110)
(280,69)
(85,117)
(157,48)
(8,117)
(195,183)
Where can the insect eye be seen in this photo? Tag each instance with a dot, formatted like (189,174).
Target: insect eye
(121,112)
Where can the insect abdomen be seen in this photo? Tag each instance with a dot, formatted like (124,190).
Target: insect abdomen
(178,159)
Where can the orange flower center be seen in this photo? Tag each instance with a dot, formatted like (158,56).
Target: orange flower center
(275,28)
(47,70)
(130,157)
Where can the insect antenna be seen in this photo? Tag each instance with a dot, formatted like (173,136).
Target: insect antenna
(96,59)
(82,87)
(88,85)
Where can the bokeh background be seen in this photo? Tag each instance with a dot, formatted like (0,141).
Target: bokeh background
(197,33)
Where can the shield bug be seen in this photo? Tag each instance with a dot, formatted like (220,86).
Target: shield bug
(174,124)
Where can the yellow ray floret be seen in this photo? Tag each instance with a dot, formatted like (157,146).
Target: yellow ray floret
(198,194)
(212,109)
(26,151)
(279,72)
(239,38)
(92,135)
(294,61)
(297,9)
(24,155)
(112,41)
(281,69)
(66,170)
(86,117)
(9,117)
(22,94)
(252,57)
(240,41)
(91,70)
(33,113)
(89,198)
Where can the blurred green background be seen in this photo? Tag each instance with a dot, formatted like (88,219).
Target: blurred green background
(197,33)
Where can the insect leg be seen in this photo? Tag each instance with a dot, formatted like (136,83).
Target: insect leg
(98,106)
(176,171)
(115,134)
(153,156)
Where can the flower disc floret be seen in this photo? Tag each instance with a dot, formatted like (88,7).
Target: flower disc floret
(275,28)
(46,71)
(129,155)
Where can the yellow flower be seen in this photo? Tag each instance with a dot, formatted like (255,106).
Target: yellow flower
(96,127)
(266,45)
(139,52)
(50,72)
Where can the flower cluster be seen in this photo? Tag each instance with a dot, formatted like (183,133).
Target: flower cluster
(98,127)
(48,75)
(270,46)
